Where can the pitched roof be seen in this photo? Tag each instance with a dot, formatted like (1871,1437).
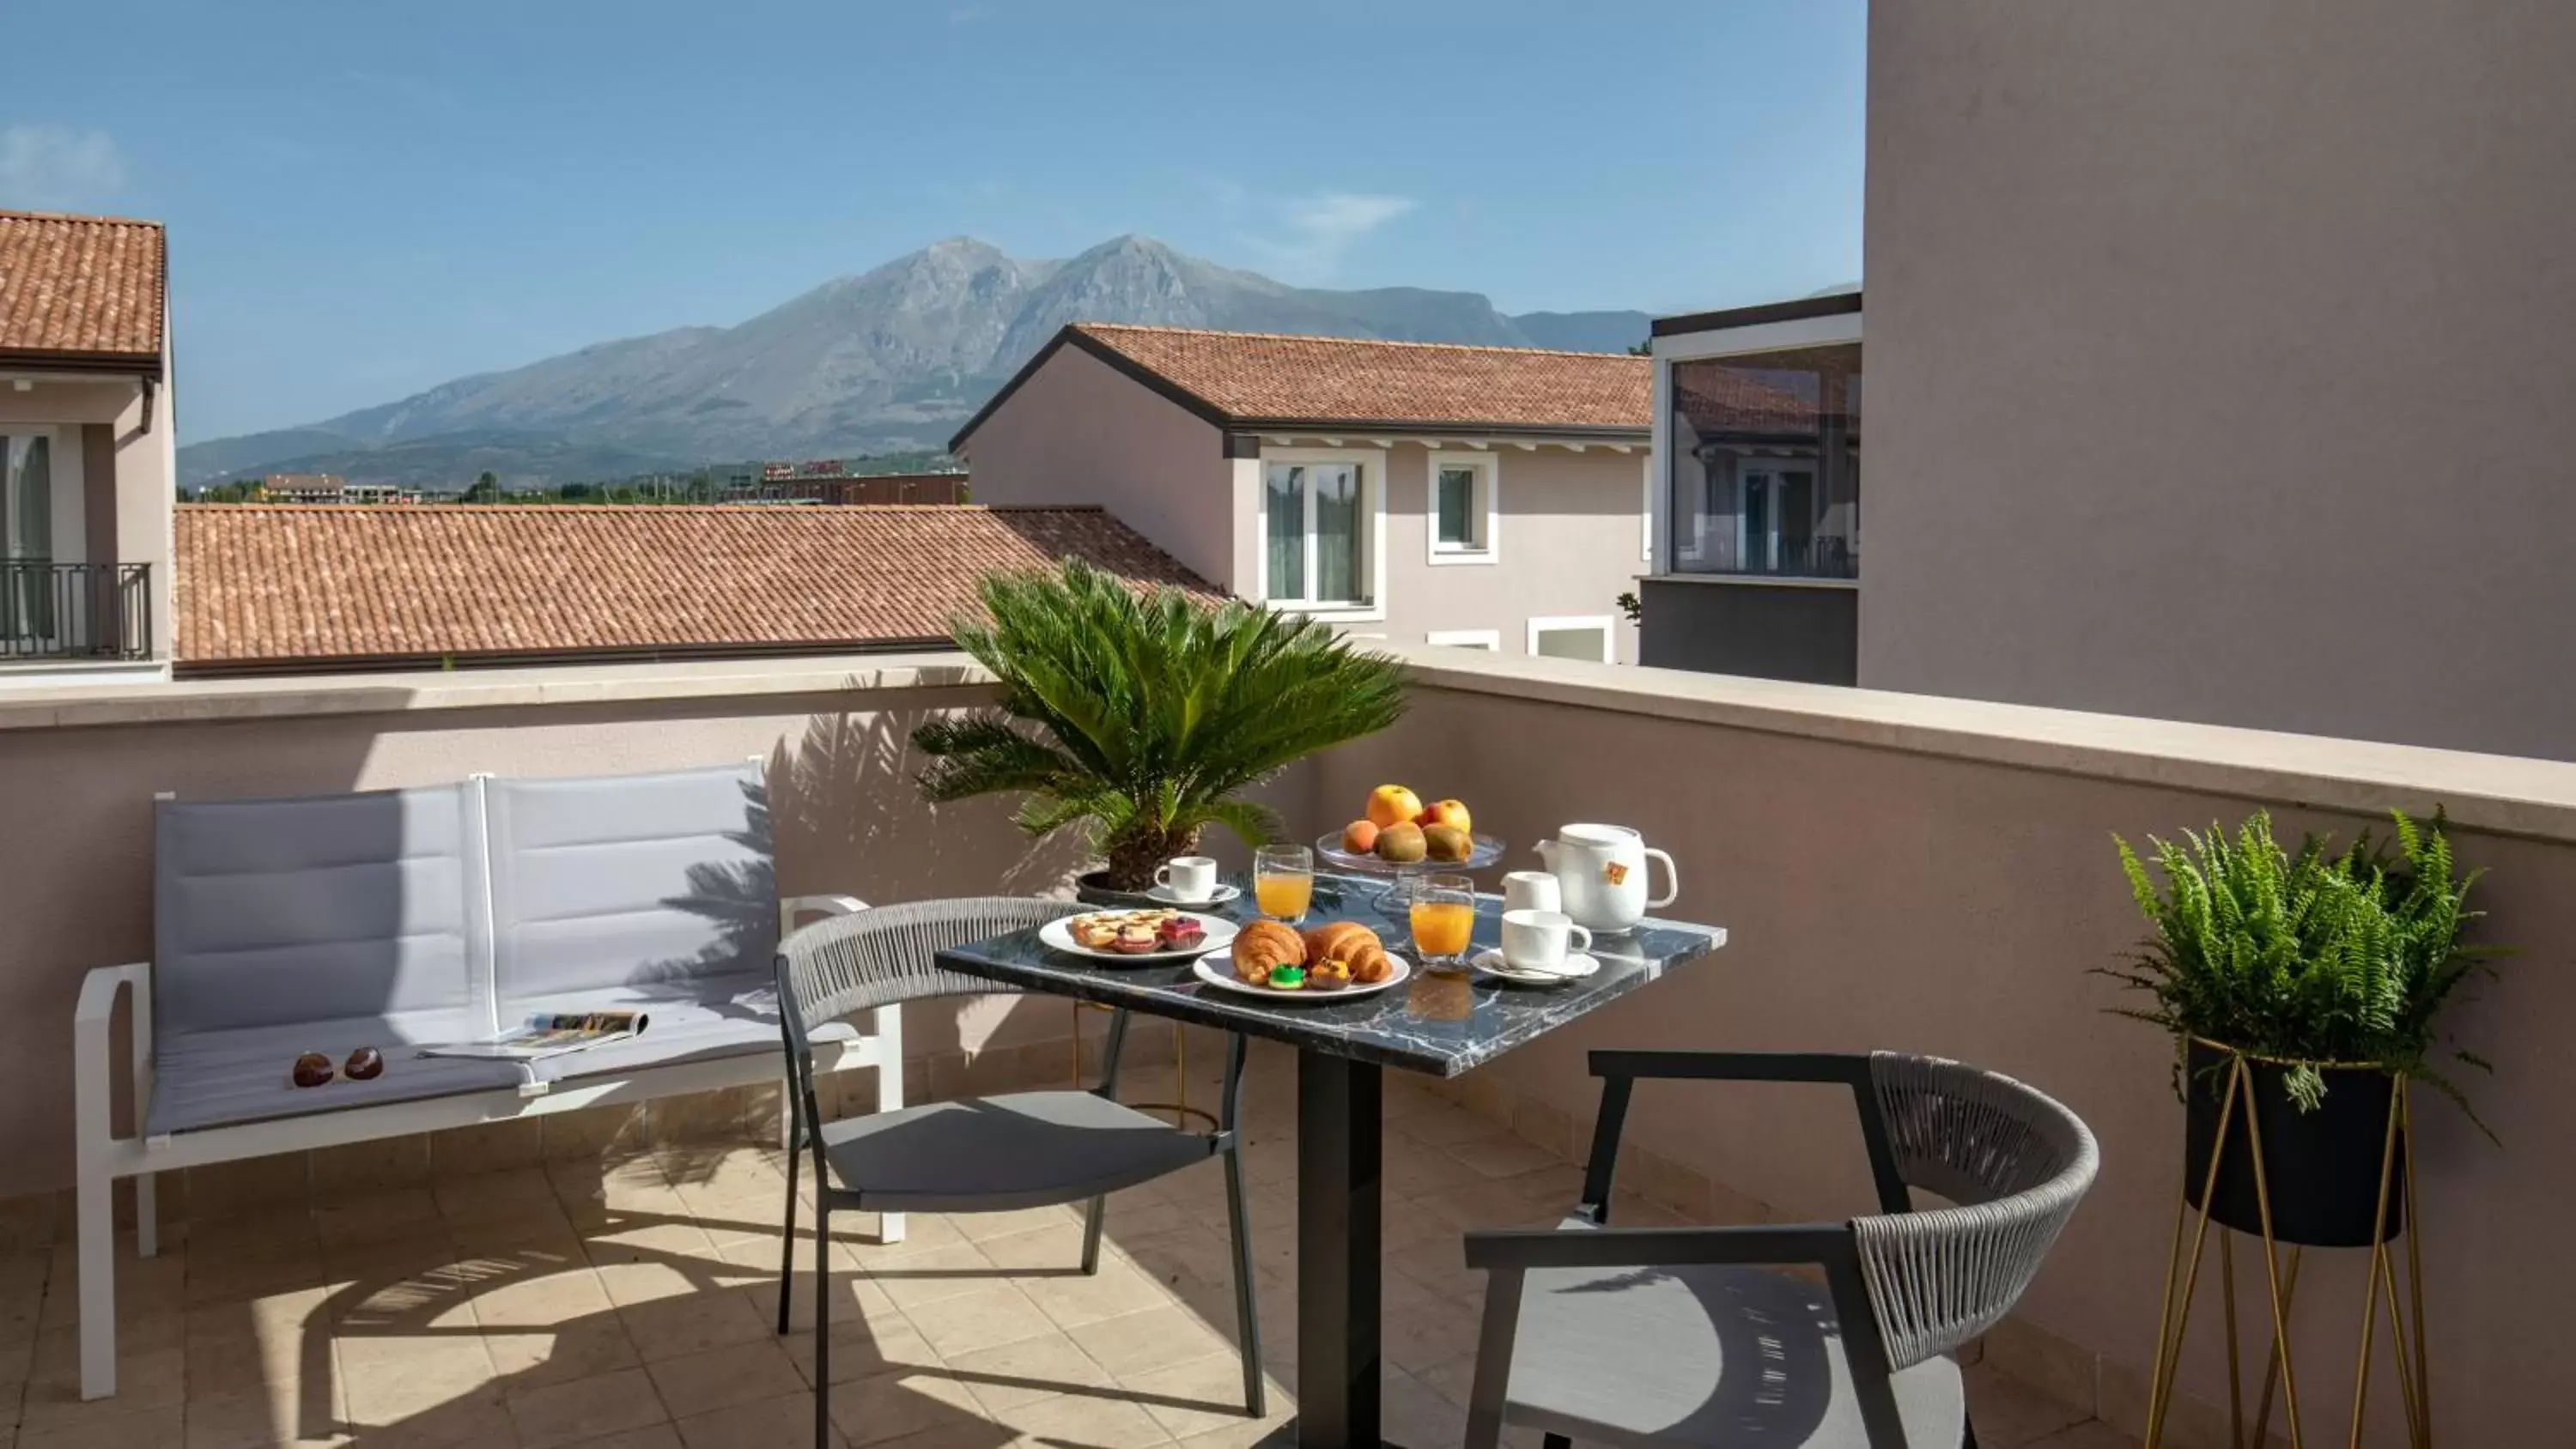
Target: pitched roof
(1251,380)
(261,584)
(81,286)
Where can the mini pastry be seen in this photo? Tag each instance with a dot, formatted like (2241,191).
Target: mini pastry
(1287,978)
(1263,945)
(1180,933)
(1327,976)
(1135,940)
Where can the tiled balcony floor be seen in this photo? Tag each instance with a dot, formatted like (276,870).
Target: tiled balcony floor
(628,1304)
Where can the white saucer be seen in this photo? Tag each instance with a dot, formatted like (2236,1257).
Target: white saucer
(1490,962)
(1223,894)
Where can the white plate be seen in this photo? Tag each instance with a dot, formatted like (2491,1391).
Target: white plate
(1490,962)
(1223,894)
(1224,976)
(1220,934)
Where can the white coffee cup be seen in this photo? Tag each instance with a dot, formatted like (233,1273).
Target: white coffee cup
(1538,940)
(1187,877)
(1532,890)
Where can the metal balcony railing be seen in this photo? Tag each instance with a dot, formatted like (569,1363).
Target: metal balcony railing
(1822,557)
(75,611)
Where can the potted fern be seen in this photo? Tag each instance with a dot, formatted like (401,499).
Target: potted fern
(1144,717)
(2323,972)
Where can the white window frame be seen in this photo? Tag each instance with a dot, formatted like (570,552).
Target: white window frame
(1603,622)
(1371,463)
(1646,515)
(1488,468)
(1490,640)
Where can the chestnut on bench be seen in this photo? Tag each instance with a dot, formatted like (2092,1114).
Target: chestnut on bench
(397,918)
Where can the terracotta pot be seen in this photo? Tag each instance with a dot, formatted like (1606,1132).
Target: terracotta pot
(2321,1167)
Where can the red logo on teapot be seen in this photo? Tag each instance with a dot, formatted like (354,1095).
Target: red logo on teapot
(1615,873)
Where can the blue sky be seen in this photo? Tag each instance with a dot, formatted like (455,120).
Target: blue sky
(368,199)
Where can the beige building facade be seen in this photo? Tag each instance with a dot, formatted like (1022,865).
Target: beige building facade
(1514,534)
(88,451)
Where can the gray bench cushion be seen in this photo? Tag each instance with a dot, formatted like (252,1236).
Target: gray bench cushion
(269,912)
(628,881)
(1706,1355)
(993,1154)
(224,1078)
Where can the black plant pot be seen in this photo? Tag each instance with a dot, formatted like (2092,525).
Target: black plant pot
(1091,889)
(2322,1167)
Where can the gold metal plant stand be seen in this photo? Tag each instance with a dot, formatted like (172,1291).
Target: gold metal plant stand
(2405,1325)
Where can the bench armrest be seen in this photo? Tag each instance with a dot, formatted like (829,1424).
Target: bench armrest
(94,1051)
(794,909)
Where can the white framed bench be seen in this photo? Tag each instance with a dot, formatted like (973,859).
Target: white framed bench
(398,918)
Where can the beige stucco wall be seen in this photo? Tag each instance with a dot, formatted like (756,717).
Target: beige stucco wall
(134,524)
(2216,361)
(1890,881)
(76,848)
(1079,432)
(1571,543)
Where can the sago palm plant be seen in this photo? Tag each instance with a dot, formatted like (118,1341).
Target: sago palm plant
(1145,716)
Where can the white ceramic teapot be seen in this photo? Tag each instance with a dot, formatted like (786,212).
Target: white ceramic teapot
(1601,873)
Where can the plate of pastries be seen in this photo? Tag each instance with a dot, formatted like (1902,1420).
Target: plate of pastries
(1138,935)
(1336,959)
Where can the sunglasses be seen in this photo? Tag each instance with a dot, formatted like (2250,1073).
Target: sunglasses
(364,1065)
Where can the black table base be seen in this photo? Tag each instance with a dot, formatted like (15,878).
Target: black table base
(1339,1114)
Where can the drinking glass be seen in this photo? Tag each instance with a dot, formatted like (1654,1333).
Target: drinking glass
(1444,919)
(1283,881)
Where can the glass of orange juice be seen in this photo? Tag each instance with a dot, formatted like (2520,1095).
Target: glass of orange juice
(1283,881)
(1444,918)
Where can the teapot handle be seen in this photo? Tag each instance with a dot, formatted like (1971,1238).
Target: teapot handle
(1672,880)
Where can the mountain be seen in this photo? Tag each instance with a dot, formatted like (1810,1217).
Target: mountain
(894,358)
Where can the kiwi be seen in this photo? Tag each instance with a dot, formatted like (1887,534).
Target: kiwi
(1401,844)
(1447,843)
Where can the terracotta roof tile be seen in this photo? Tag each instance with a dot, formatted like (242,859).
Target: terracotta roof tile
(259,582)
(1256,377)
(80,285)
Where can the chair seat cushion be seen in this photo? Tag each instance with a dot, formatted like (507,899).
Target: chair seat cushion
(1702,1354)
(991,1154)
(224,1078)
(694,1019)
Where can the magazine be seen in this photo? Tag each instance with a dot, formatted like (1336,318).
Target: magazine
(545,1036)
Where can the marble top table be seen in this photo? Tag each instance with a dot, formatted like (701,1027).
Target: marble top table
(1442,1024)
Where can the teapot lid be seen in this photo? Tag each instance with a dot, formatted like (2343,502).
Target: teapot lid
(1598,834)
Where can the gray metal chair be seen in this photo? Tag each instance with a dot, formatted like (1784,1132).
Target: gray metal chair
(1640,1336)
(977,1154)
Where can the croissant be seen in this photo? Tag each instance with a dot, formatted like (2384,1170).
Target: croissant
(1336,940)
(1355,946)
(1262,945)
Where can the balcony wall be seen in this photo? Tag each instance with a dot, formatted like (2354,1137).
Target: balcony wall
(1896,871)
(1937,876)
(78,770)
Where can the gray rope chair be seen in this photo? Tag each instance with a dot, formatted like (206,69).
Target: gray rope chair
(978,1154)
(1640,1336)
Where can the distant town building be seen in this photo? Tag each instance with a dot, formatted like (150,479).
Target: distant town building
(330,488)
(828,480)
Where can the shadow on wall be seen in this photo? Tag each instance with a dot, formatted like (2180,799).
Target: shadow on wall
(849,818)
